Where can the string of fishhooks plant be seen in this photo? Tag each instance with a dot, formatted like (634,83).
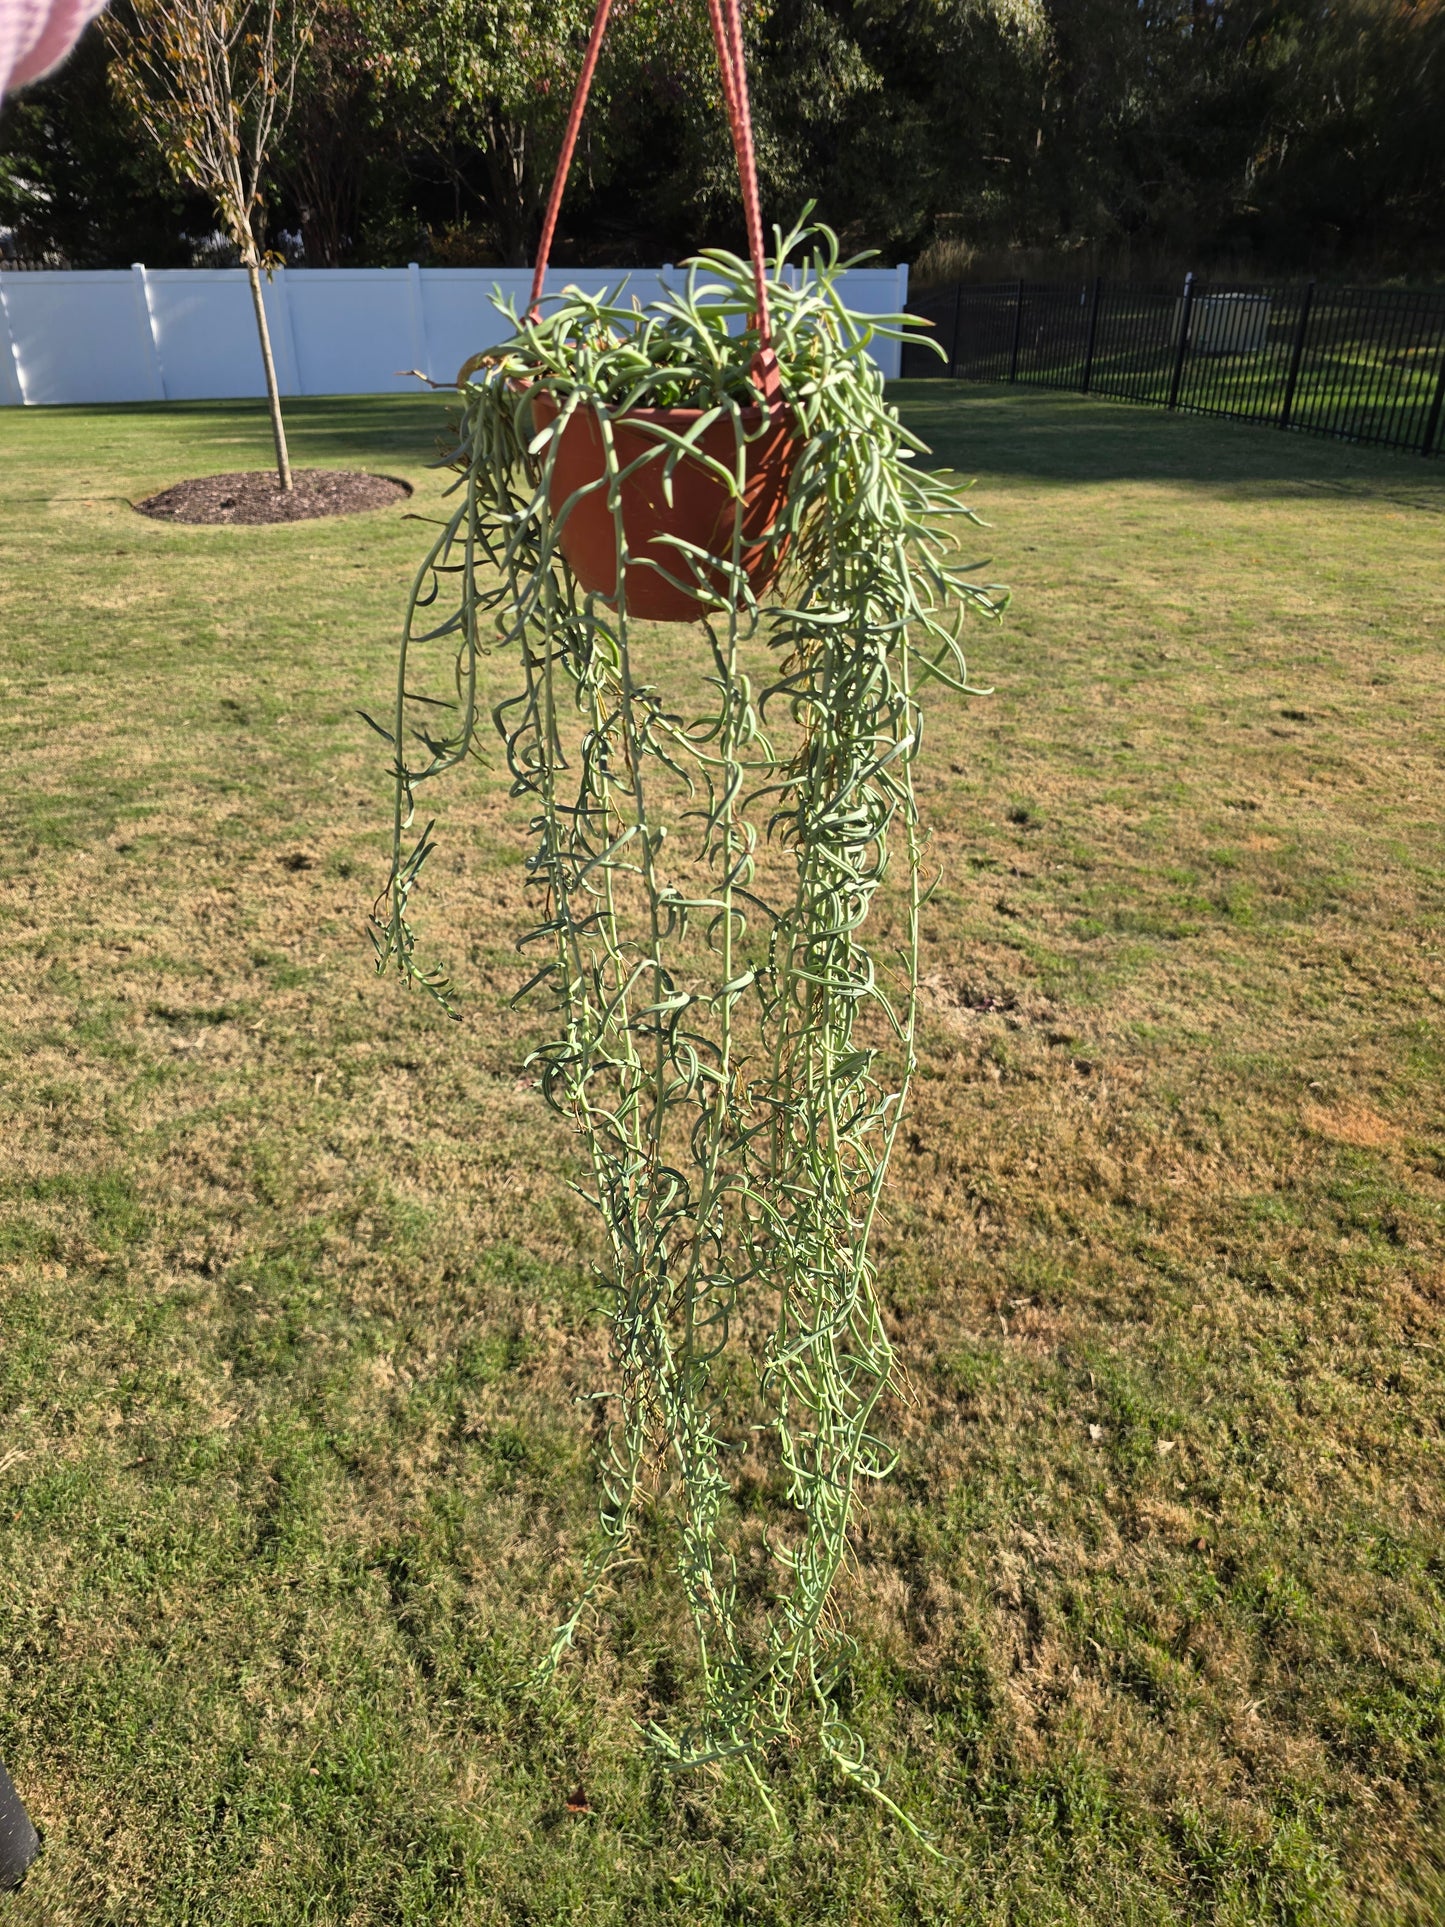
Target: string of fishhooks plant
(732,1053)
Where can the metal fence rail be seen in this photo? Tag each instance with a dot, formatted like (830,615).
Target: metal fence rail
(1360,364)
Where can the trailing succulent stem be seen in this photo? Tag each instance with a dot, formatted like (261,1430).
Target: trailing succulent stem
(733,1055)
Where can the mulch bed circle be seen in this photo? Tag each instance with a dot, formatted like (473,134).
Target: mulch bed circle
(254,496)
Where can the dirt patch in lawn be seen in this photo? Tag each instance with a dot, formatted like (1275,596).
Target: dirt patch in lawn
(254,497)
(1354,1124)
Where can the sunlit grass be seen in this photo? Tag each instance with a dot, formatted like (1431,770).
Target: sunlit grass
(292,1479)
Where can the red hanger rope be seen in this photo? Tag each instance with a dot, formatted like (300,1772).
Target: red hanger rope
(569,143)
(727,33)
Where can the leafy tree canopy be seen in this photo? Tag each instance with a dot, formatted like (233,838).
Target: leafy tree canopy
(1296,134)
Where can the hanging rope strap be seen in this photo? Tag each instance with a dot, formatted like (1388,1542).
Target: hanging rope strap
(727,33)
(564,159)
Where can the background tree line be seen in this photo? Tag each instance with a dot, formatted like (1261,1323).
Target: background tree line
(1280,134)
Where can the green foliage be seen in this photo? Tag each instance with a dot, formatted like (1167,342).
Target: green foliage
(75,183)
(493,82)
(328,153)
(1302,134)
(732,1053)
(1303,130)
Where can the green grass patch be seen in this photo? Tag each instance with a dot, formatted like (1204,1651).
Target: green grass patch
(293,1473)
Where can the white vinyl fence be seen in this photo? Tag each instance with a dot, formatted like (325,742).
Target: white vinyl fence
(189,334)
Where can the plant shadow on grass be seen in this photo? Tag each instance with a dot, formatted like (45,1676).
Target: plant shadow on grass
(361,431)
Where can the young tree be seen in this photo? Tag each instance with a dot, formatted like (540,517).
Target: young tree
(212,82)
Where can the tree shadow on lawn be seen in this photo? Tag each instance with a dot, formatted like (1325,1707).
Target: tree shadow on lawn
(1000,432)
(323,430)
(993,432)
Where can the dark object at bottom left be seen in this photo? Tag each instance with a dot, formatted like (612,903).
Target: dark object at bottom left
(19,1842)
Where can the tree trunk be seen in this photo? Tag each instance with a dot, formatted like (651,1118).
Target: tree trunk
(512,193)
(273,394)
(327,177)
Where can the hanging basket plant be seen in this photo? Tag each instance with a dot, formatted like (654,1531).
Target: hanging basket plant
(732,1052)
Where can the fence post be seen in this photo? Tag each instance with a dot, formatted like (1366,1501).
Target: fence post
(1013,355)
(1093,333)
(1432,426)
(1186,309)
(953,338)
(147,316)
(288,374)
(12,385)
(416,315)
(1296,354)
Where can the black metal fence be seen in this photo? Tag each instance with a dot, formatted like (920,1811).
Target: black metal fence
(1361,364)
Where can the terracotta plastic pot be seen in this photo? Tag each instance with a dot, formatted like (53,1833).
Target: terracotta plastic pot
(701,511)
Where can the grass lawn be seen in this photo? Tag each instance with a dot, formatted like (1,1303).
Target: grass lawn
(296,1302)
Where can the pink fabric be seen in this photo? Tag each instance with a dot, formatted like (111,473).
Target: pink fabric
(36,35)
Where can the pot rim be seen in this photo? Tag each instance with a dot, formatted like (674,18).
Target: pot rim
(750,416)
